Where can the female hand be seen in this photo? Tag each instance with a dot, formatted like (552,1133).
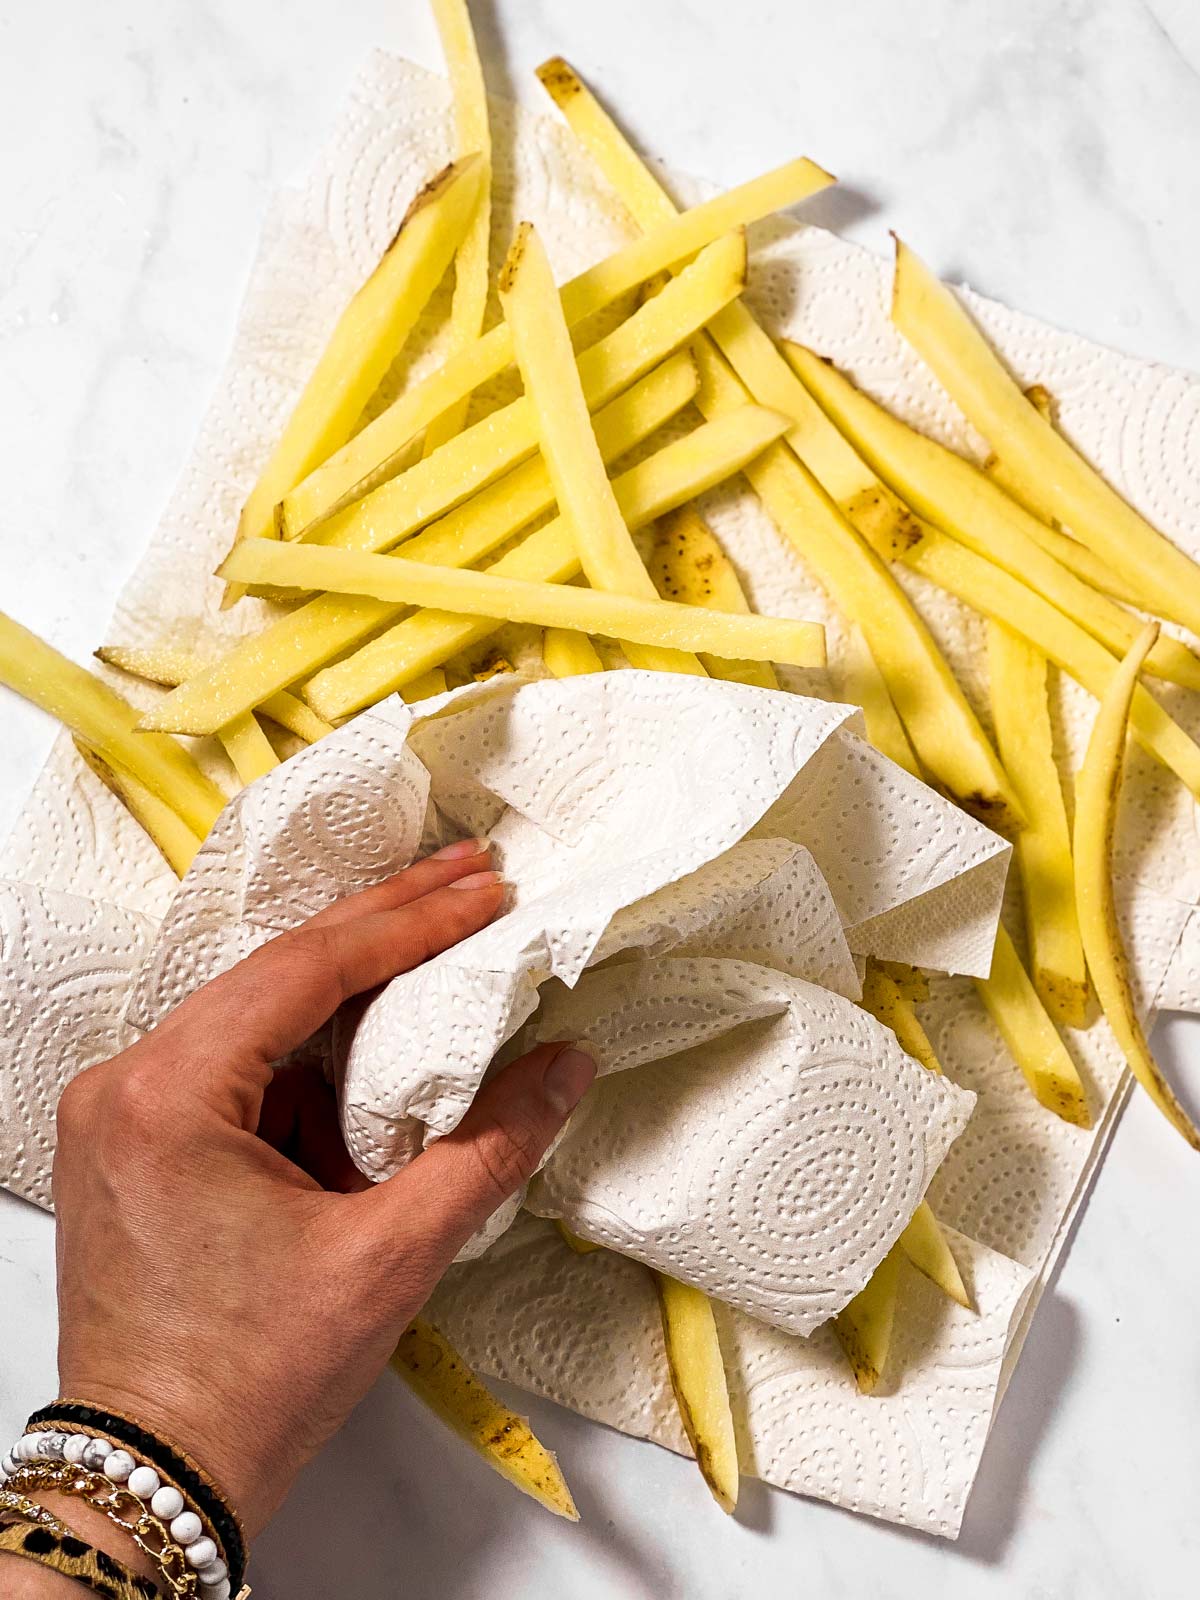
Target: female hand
(224,1273)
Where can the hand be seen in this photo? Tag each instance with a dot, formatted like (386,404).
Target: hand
(225,1274)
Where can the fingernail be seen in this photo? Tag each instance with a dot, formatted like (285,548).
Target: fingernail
(569,1076)
(477,880)
(461,850)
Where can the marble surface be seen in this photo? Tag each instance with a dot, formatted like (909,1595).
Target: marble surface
(1043,150)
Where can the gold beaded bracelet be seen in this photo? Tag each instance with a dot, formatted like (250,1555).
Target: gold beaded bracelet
(120,1507)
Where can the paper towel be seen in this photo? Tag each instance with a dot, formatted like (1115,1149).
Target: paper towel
(1016,1178)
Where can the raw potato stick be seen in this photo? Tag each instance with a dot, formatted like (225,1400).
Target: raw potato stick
(866,502)
(438,1375)
(1033,1041)
(1021,717)
(864,1327)
(169,832)
(862,684)
(582,489)
(499,441)
(107,724)
(927,1247)
(299,644)
(687,564)
(679,472)
(963,501)
(1037,460)
(369,335)
(423,688)
(656,623)
(247,747)
(945,732)
(170,666)
(699,1383)
(472,133)
(1097,792)
(370,456)
(569,655)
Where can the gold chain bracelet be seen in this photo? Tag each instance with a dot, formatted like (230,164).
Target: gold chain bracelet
(21,1508)
(120,1507)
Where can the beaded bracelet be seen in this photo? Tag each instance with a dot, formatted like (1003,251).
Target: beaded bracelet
(173,1464)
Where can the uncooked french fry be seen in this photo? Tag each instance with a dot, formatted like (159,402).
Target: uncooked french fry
(170,666)
(864,1327)
(499,441)
(106,724)
(868,504)
(912,983)
(423,688)
(680,471)
(701,1388)
(299,644)
(926,1246)
(862,684)
(1037,460)
(248,747)
(882,998)
(569,655)
(164,826)
(658,624)
(1021,717)
(686,563)
(962,500)
(371,456)
(542,345)
(1033,1041)
(1097,793)
(471,132)
(997,594)
(438,1375)
(369,335)
(944,730)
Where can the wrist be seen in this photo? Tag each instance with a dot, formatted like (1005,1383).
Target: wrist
(95,1529)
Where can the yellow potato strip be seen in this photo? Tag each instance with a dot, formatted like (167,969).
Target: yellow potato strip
(657,623)
(472,133)
(364,461)
(299,644)
(701,1388)
(861,684)
(1097,793)
(107,724)
(584,494)
(170,666)
(1036,458)
(569,655)
(164,826)
(498,442)
(1021,717)
(1033,1041)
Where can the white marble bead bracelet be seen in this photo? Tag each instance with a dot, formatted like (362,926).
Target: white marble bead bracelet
(163,1500)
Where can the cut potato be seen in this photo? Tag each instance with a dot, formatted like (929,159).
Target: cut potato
(864,1327)
(424,688)
(298,645)
(371,457)
(1097,792)
(997,594)
(882,998)
(912,983)
(1021,717)
(106,724)
(701,1388)
(945,732)
(170,666)
(581,1247)
(438,1375)
(472,133)
(1036,459)
(168,831)
(687,564)
(248,747)
(499,441)
(569,655)
(542,345)
(927,1247)
(657,624)
(678,472)
(857,492)
(369,335)
(962,500)
(862,684)
(1033,1041)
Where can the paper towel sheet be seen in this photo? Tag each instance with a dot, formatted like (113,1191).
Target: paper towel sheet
(1019,1176)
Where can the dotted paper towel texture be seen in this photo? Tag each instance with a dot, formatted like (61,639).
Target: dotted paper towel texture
(582,1329)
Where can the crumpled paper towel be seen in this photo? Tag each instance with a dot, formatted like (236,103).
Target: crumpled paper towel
(1013,1182)
(620,805)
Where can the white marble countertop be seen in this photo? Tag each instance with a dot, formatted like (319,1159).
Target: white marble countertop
(1044,150)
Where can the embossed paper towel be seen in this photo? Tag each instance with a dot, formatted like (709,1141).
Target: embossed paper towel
(1015,1178)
